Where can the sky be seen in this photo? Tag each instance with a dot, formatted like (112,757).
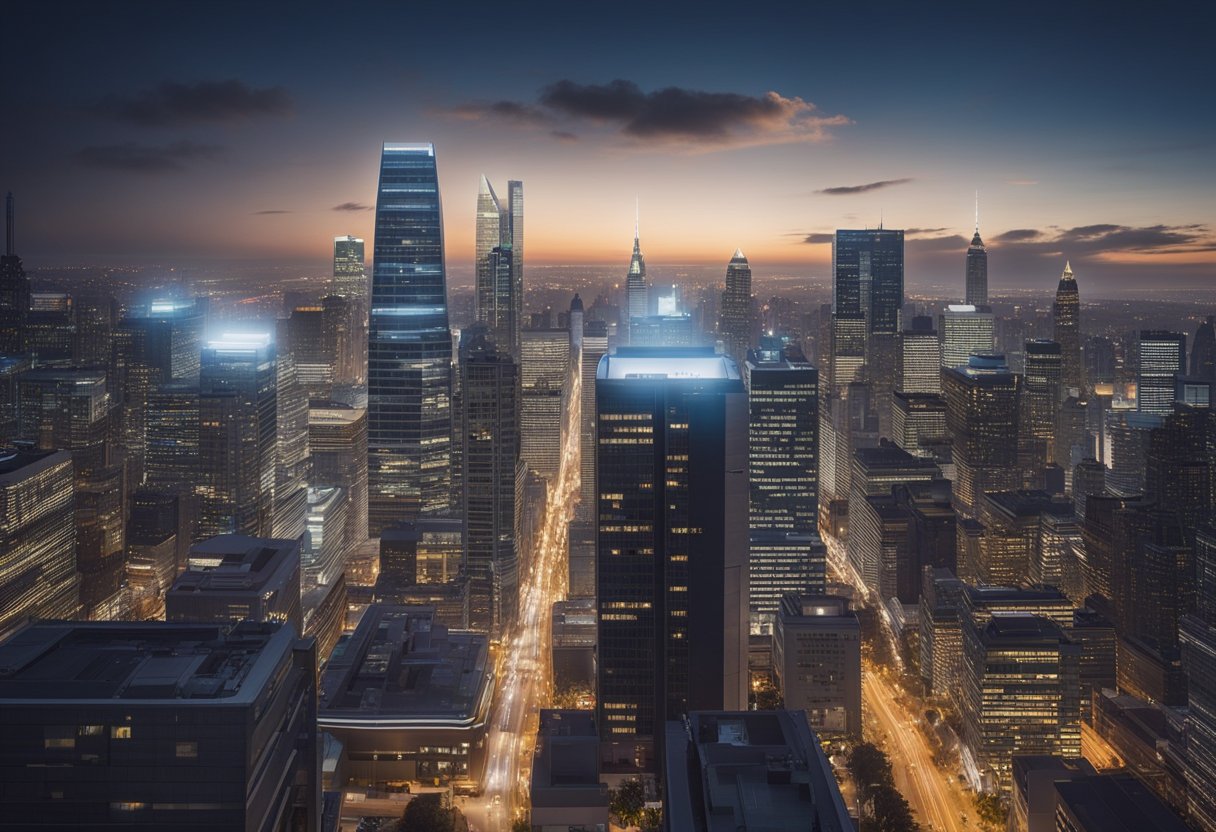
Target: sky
(141,132)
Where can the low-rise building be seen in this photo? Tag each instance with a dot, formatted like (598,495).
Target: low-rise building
(566,790)
(573,644)
(817,662)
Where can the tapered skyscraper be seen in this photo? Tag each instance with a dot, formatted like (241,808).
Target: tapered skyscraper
(500,263)
(736,326)
(409,345)
(1067,314)
(977,269)
(635,281)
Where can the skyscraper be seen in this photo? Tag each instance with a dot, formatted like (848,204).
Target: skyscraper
(350,284)
(490,434)
(350,280)
(409,345)
(920,358)
(636,294)
(14,288)
(337,445)
(595,345)
(515,239)
(982,417)
(736,325)
(544,366)
(1039,402)
(869,276)
(965,331)
(292,469)
(238,441)
(977,268)
(1162,357)
(1203,350)
(1066,311)
(672,575)
(498,296)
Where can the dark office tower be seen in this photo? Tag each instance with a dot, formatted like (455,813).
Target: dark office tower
(1099,360)
(409,393)
(292,470)
(347,337)
(152,552)
(193,726)
(544,366)
(94,314)
(337,446)
(238,446)
(350,284)
(1162,357)
(982,418)
(1066,311)
(489,381)
(37,538)
(977,270)
(12,367)
(920,358)
(172,437)
(636,294)
(1178,474)
(313,347)
(1088,480)
(672,542)
(14,289)
(1203,350)
(576,328)
(783,464)
(736,325)
(869,276)
(1039,402)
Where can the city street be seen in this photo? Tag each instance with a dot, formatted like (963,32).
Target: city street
(524,669)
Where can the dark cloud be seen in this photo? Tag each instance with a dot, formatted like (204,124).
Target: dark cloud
(563,135)
(846,190)
(351,206)
(175,104)
(922,232)
(138,158)
(1017,235)
(671,114)
(271,211)
(818,238)
(1107,239)
(948,242)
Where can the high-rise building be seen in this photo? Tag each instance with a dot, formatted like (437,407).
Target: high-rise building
(1066,312)
(498,296)
(920,358)
(736,325)
(576,327)
(292,467)
(817,662)
(1162,357)
(595,346)
(323,556)
(337,444)
(982,417)
(14,289)
(238,441)
(672,542)
(313,346)
(409,345)
(153,549)
(489,380)
(977,269)
(351,285)
(637,294)
(869,277)
(350,279)
(544,366)
(232,577)
(1198,637)
(1039,402)
(515,239)
(37,538)
(965,331)
(1203,350)
(190,726)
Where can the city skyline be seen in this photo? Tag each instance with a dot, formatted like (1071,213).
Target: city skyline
(250,153)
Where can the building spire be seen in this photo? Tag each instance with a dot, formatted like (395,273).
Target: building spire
(637,218)
(10,240)
(977,211)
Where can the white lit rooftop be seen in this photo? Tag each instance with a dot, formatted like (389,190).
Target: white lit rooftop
(240,341)
(666,363)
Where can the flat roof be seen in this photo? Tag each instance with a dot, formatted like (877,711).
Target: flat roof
(150,661)
(230,562)
(644,363)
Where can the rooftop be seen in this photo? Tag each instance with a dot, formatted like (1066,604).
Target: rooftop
(151,661)
(1116,803)
(666,363)
(402,667)
(236,562)
(15,462)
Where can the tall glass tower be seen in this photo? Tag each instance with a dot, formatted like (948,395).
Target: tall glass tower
(409,361)
(869,276)
(977,270)
(736,322)
(499,295)
(1067,314)
(635,281)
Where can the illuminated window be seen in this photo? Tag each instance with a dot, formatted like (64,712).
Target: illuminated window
(187,751)
(120,732)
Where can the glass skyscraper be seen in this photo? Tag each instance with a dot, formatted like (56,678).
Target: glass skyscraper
(1162,357)
(409,345)
(869,277)
(499,255)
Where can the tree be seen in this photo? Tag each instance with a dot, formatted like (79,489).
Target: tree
(891,811)
(432,812)
(626,803)
(868,767)
(652,820)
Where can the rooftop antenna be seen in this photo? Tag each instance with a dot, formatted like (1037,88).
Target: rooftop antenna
(637,213)
(977,211)
(880,219)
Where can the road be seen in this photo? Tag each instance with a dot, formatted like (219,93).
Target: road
(524,671)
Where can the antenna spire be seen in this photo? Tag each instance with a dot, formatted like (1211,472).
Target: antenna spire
(977,211)
(637,213)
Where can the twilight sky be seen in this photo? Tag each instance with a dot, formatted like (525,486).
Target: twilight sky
(159,131)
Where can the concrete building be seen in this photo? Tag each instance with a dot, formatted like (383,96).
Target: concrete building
(566,791)
(730,770)
(409,699)
(573,644)
(159,726)
(817,662)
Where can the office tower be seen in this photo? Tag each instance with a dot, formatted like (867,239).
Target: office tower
(427,551)
(977,269)
(37,538)
(595,345)
(965,331)
(1020,693)
(337,445)
(869,277)
(233,577)
(1178,470)
(409,416)
(1010,550)
(663,331)
(848,350)
(636,293)
(920,358)
(1039,402)
(12,367)
(351,285)
(918,422)
(292,467)
(736,325)
(490,435)
(190,726)
(982,417)
(152,552)
(1197,633)
(498,296)
(323,556)
(1203,350)
(1066,312)
(781,561)
(514,223)
(238,445)
(941,602)
(717,768)
(311,341)
(672,541)
(1088,479)
(1162,357)
(576,327)
(817,662)
(14,289)
(544,366)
